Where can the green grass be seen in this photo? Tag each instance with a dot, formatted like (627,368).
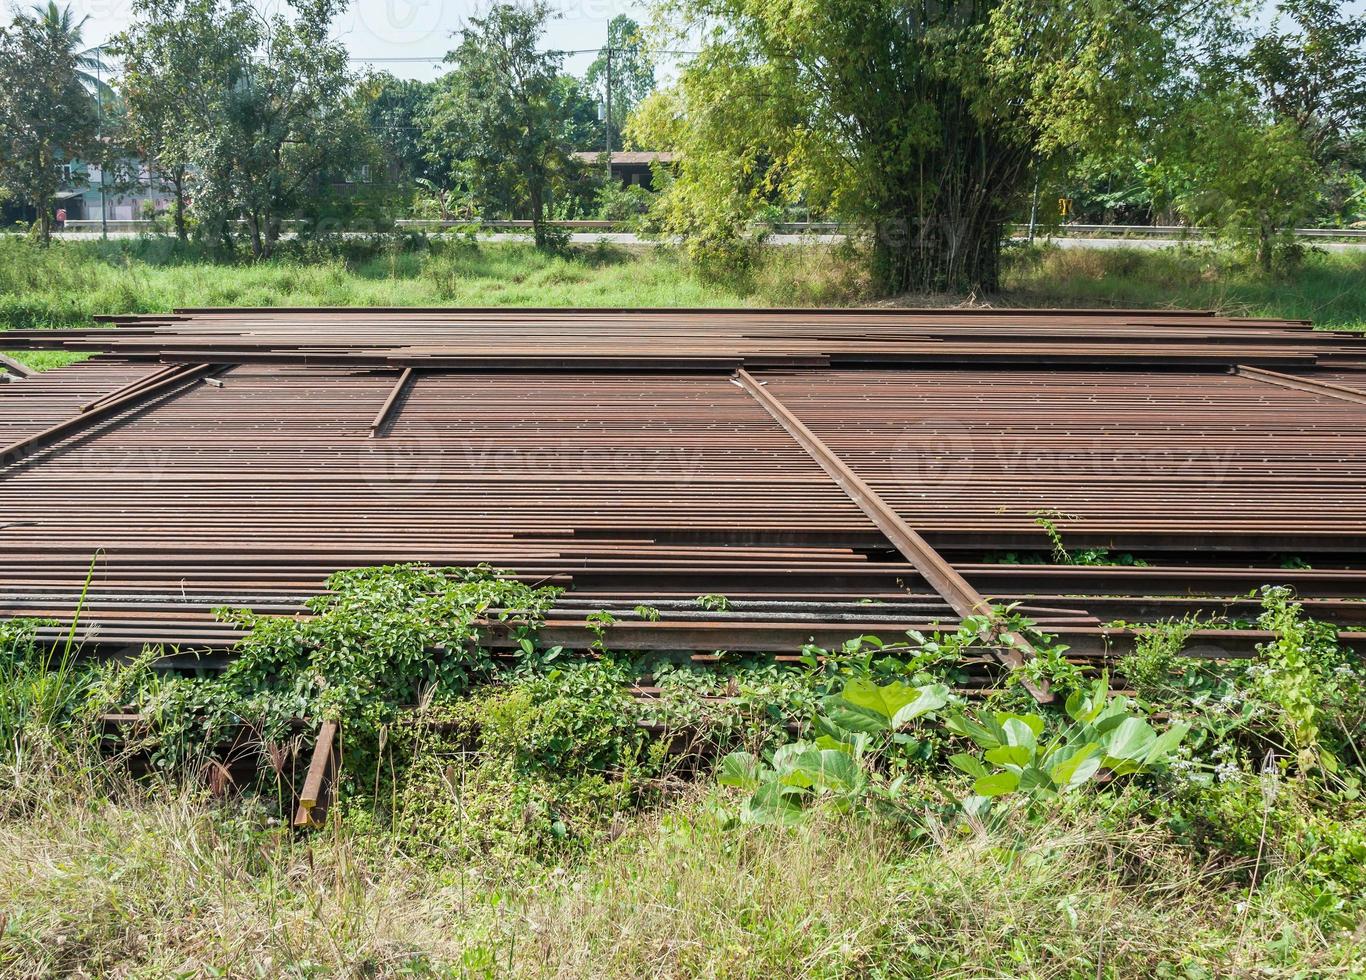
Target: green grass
(1327,288)
(528,827)
(166,883)
(67,284)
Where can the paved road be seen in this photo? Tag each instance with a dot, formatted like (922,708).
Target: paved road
(625,238)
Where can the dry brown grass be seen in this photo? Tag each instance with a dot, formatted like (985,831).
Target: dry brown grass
(169,884)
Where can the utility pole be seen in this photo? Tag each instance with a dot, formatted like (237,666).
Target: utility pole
(1034,207)
(607,118)
(99,139)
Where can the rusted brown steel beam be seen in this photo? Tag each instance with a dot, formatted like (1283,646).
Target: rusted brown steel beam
(312,798)
(1300,383)
(622,484)
(161,375)
(17,368)
(17,450)
(704,339)
(942,576)
(401,385)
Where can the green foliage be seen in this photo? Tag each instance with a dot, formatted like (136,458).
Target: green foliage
(1328,288)
(628,205)
(575,719)
(831,770)
(47,116)
(1301,700)
(1246,174)
(545,798)
(508,116)
(258,110)
(1048,520)
(1310,681)
(633,73)
(396,109)
(1107,735)
(379,639)
(922,124)
(523,770)
(705,712)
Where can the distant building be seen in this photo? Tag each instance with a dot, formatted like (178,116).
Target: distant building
(79,194)
(631,167)
(126,199)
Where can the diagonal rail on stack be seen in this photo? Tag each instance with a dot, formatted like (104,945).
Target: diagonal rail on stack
(933,567)
(1313,386)
(130,396)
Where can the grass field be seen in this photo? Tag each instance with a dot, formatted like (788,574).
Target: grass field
(68,283)
(167,884)
(1327,288)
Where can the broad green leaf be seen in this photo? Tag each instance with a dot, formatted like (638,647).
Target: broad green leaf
(932,697)
(785,756)
(1019,733)
(969,764)
(841,714)
(1035,781)
(1132,739)
(770,805)
(895,703)
(997,784)
(1009,755)
(831,769)
(977,806)
(1165,744)
(1074,771)
(987,736)
(739,769)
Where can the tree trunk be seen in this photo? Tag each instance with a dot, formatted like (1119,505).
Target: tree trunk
(1264,256)
(45,196)
(178,212)
(944,255)
(537,194)
(940,222)
(257,244)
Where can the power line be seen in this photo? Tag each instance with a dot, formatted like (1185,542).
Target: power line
(436,59)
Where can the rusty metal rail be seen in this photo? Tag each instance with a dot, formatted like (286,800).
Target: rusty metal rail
(874,470)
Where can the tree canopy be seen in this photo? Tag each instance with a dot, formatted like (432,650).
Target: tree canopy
(633,74)
(258,108)
(923,123)
(47,113)
(508,115)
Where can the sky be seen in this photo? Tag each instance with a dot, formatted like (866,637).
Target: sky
(409,37)
(409,29)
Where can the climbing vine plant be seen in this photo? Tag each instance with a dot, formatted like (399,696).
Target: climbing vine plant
(378,640)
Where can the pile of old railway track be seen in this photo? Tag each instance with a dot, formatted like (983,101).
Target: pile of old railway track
(831,472)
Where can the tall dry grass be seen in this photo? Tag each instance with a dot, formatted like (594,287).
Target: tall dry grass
(104,878)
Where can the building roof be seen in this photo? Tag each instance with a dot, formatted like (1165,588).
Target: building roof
(627,157)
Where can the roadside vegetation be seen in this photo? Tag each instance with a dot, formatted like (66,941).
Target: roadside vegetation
(527,816)
(68,283)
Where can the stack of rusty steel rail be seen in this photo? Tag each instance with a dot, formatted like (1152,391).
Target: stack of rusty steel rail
(830,472)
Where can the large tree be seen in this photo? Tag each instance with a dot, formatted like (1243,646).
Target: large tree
(171,89)
(507,115)
(919,121)
(1255,132)
(257,108)
(47,113)
(1309,70)
(396,108)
